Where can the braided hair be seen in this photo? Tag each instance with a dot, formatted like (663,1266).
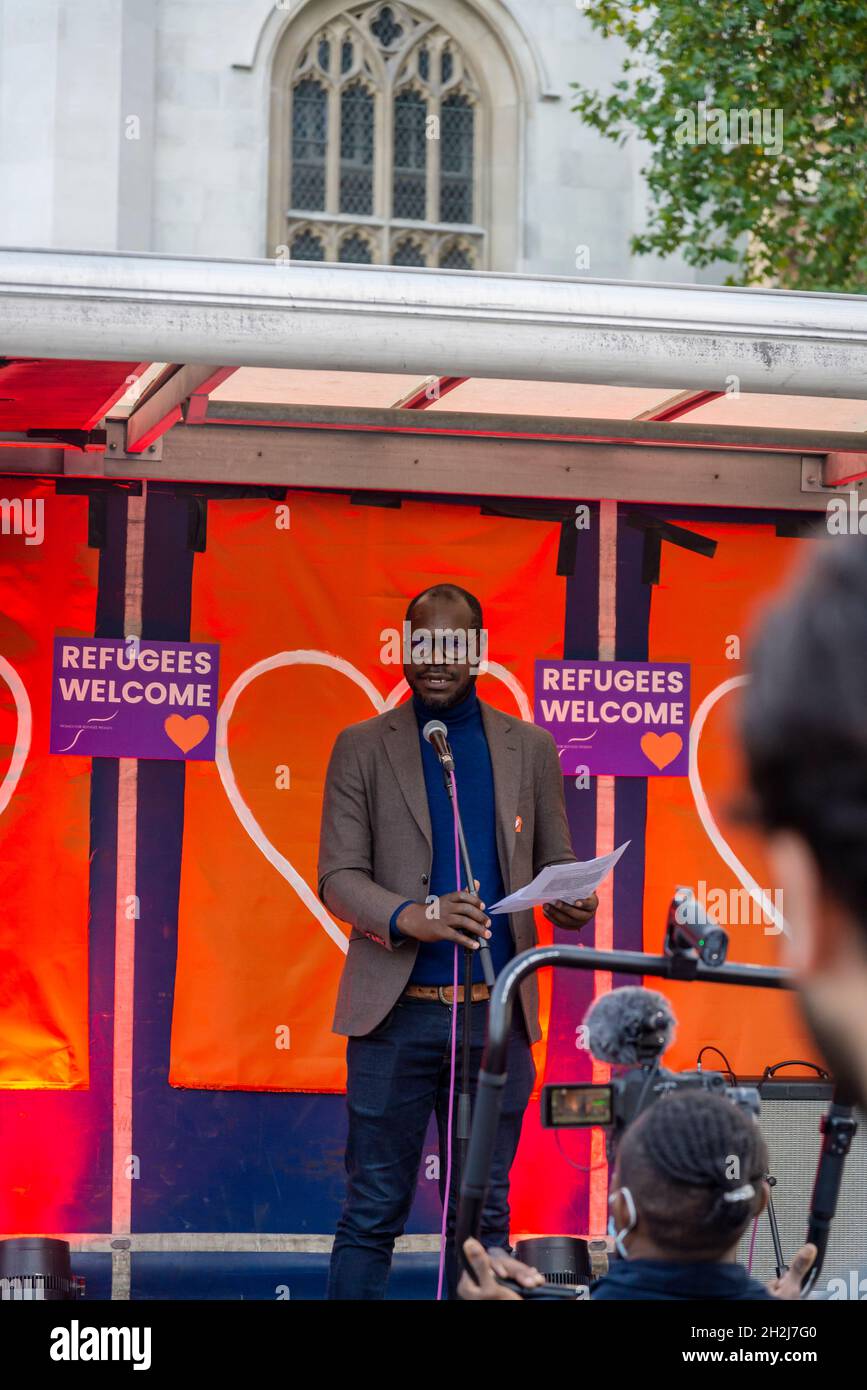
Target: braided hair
(694,1163)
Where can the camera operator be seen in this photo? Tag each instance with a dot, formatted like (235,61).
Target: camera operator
(688,1180)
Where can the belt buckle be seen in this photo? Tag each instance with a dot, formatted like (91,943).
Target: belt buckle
(440,995)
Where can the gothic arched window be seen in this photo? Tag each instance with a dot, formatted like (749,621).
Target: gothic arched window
(384,143)
(354,248)
(408,251)
(306,246)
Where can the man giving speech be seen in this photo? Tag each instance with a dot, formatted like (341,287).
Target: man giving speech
(387,867)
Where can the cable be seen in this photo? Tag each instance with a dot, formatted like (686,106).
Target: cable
(652,1071)
(752,1246)
(769,1072)
(580,1167)
(719,1052)
(453,1066)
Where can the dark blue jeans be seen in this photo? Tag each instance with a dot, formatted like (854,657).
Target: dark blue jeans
(398,1076)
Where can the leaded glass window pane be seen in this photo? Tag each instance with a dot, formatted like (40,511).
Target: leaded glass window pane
(410,156)
(356,150)
(456,258)
(408,252)
(306,247)
(355,249)
(456,160)
(346,56)
(309,142)
(386,27)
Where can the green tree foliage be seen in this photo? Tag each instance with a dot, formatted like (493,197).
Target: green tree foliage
(792,212)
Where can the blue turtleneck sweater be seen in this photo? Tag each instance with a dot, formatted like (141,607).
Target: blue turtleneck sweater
(475,779)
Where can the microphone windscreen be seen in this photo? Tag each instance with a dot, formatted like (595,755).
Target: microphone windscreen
(434,726)
(629,1025)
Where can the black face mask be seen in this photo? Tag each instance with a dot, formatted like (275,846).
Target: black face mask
(843,1070)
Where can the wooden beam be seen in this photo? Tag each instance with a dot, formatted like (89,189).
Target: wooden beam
(680,404)
(841,468)
(535,427)
(47,461)
(161,407)
(433,388)
(455,465)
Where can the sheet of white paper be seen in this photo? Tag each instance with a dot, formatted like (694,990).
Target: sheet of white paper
(568,883)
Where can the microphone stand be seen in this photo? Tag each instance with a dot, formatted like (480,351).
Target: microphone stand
(779,1262)
(463,1116)
(838,1128)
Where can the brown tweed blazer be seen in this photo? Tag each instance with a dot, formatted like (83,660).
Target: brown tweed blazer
(375,846)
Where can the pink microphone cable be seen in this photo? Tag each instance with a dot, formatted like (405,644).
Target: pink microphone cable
(453,1068)
(752,1246)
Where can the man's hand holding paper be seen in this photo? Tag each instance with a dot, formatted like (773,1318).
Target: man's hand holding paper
(566,892)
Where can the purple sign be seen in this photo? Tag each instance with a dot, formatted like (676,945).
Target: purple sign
(131,698)
(629,718)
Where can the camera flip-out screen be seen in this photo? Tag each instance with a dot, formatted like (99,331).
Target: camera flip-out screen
(576,1107)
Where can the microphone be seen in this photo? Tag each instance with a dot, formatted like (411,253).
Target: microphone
(630,1026)
(436,734)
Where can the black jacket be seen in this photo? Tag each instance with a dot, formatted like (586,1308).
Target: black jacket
(671,1279)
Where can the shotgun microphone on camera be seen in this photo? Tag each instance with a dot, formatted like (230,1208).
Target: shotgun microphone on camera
(630,1027)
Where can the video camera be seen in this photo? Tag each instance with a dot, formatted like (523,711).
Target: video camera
(616,1104)
(631,1028)
(634,1038)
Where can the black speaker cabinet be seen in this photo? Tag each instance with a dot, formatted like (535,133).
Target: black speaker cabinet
(790,1116)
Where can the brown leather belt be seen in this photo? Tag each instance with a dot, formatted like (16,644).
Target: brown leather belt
(444,993)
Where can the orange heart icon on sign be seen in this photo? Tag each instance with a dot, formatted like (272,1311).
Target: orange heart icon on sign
(661,749)
(186,733)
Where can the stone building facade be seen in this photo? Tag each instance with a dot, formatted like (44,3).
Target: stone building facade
(436,132)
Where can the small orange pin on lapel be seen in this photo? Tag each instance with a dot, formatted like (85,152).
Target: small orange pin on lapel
(519,824)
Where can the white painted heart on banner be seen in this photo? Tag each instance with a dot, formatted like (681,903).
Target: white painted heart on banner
(712,830)
(23,732)
(380,704)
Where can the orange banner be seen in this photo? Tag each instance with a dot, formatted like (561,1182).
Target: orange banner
(47,586)
(703,611)
(299,602)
